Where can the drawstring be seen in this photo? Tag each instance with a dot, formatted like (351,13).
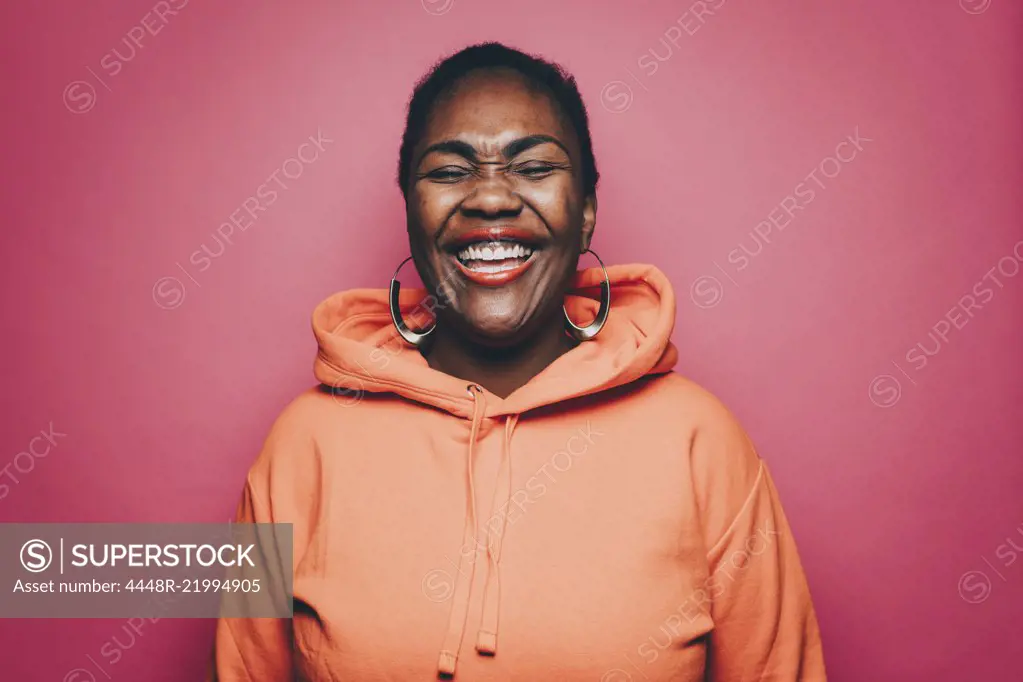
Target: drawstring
(460,600)
(486,638)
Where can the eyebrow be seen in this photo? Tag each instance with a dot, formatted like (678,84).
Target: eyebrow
(513,148)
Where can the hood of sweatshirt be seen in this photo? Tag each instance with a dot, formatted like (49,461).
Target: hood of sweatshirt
(360,351)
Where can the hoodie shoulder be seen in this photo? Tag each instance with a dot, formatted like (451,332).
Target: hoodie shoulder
(310,408)
(724,465)
(296,421)
(288,455)
(696,405)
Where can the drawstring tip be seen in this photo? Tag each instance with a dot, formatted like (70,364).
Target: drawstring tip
(446,664)
(486,643)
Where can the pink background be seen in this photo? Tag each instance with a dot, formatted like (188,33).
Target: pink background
(166,388)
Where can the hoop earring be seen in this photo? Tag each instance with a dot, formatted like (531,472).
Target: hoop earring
(593,328)
(412,337)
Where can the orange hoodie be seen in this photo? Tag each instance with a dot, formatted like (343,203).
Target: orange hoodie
(608,521)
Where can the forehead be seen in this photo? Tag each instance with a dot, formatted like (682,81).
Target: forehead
(495,106)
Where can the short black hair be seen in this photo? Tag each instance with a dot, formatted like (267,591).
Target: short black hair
(550,76)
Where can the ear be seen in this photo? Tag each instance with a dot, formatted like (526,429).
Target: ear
(589,220)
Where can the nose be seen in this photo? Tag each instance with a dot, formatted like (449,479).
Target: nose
(492,197)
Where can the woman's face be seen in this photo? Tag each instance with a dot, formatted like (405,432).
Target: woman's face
(495,207)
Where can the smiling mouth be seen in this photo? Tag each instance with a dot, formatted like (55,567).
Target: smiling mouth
(494,256)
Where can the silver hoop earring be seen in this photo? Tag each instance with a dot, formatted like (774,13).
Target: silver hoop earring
(588,332)
(413,337)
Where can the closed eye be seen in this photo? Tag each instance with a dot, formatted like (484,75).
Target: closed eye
(448,173)
(536,169)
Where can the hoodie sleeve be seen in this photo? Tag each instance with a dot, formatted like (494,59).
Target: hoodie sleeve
(251,649)
(765,626)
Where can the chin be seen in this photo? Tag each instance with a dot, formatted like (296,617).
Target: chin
(499,329)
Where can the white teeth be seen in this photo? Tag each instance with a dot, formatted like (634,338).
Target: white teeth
(494,251)
(492,267)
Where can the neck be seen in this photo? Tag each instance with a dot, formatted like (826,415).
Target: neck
(500,370)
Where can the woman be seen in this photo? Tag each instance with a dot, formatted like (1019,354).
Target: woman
(500,477)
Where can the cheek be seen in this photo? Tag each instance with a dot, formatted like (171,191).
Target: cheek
(430,209)
(557,204)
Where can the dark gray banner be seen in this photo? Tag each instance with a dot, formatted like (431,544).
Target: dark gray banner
(114,570)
